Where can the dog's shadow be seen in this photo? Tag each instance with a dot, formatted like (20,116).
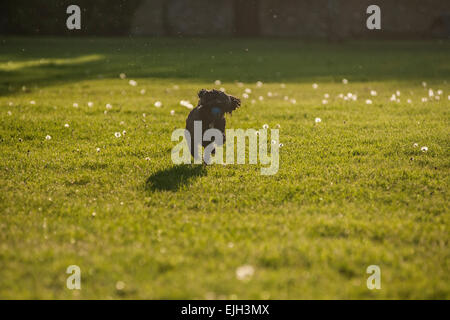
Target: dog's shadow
(174,178)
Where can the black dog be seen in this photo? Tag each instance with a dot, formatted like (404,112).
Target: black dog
(211,109)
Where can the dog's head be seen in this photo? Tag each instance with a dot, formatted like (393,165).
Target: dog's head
(218,101)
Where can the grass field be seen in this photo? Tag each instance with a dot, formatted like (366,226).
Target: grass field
(351,191)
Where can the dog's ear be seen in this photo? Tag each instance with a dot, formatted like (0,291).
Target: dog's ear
(236,102)
(201,93)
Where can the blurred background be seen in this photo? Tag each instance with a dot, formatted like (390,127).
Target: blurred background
(326,19)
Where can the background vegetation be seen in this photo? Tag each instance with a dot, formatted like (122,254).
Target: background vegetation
(43,17)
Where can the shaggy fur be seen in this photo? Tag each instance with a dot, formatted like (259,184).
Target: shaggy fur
(211,109)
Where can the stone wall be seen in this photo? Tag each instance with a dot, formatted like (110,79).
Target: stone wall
(347,18)
(184,17)
(287,18)
(200,17)
(148,19)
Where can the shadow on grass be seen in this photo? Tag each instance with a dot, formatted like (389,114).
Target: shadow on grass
(40,62)
(173,178)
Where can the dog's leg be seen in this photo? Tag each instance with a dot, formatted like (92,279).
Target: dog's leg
(220,124)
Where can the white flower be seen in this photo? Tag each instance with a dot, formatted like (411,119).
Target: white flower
(324,101)
(397,93)
(448,97)
(415,145)
(368,101)
(9,113)
(273,142)
(108,106)
(32,102)
(283,85)
(240,84)
(176,87)
(245,273)
(117,134)
(280,145)
(430,93)
(147,158)
(245,96)
(186,104)
(47,137)
(424,149)
(142,91)
(217,82)
(293,101)
(120,285)
(222,89)
(269,94)
(344,81)
(261,98)
(286,98)
(266,126)
(172,112)
(354,97)
(439,92)
(326,95)
(349,95)
(124,132)
(393,97)
(424,84)
(98,149)
(315,86)
(158,104)
(75,105)
(341,95)
(259,84)
(317,120)
(90,104)
(248,90)
(10,103)
(132,83)
(437,97)
(122,76)
(409,101)
(424,99)
(66,125)
(373,93)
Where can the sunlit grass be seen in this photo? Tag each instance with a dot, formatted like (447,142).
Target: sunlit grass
(15,65)
(352,190)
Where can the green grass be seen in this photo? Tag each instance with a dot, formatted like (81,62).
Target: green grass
(351,191)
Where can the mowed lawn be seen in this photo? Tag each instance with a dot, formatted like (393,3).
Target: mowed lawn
(352,190)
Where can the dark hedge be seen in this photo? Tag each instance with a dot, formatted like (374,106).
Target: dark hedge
(48,17)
